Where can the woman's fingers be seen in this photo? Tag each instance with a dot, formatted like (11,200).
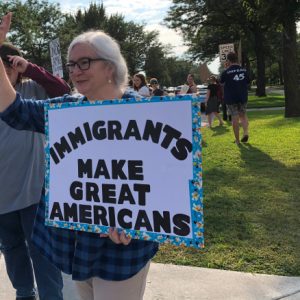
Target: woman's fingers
(114,235)
(118,238)
(18,62)
(103,235)
(124,239)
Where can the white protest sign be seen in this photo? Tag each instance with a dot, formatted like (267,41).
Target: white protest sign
(129,164)
(224,49)
(57,68)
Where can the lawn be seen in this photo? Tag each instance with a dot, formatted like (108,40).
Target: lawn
(251,200)
(271,100)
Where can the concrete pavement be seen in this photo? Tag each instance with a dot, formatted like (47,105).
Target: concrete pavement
(170,282)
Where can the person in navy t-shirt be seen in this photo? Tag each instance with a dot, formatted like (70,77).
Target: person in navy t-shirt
(236,80)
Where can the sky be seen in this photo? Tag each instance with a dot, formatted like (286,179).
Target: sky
(150,13)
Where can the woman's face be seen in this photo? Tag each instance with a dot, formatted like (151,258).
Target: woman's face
(190,79)
(89,82)
(137,81)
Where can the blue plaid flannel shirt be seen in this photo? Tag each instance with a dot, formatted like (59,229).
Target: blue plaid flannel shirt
(82,254)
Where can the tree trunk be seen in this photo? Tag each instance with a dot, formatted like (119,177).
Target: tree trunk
(280,73)
(260,63)
(290,70)
(246,64)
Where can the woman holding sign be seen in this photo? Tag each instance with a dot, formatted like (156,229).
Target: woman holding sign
(108,266)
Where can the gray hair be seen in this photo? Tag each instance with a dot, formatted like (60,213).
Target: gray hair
(106,47)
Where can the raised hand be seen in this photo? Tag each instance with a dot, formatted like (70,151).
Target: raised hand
(4,26)
(18,62)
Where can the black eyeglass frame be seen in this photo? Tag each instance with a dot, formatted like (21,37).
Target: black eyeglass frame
(70,66)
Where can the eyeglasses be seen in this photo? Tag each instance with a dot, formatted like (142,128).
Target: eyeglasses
(83,64)
(153,82)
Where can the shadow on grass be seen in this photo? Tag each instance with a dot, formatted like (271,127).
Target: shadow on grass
(251,217)
(252,212)
(276,204)
(219,130)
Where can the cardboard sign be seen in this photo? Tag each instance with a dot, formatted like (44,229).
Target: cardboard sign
(128,164)
(224,49)
(57,68)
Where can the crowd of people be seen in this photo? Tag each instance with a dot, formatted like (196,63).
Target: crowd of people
(109,266)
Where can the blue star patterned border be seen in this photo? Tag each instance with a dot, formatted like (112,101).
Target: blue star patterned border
(195,184)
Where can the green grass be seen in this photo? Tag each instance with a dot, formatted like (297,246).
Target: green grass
(271,100)
(251,200)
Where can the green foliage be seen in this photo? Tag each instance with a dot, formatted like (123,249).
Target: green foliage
(136,46)
(34,25)
(37,22)
(261,25)
(178,69)
(251,200)
(155,64)
(94,17)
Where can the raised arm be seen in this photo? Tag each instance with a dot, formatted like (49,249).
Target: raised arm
(18,114)
(8,94)
(53,85)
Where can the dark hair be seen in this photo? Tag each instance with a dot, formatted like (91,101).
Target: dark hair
(213,78)
(232,57)
(143,79)
(153,81)
(9,49)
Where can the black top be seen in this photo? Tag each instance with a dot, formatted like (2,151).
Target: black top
(213,89)
(236,81)
(157,92)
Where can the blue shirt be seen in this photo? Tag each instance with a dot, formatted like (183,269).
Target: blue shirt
(82,254)
(235,80)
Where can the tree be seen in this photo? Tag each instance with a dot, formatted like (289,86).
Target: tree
(94,17)
(285,14)
(255,19)
(34,25)
(178,69)
(233,20)
(289,13)
(134,41)
(156,64)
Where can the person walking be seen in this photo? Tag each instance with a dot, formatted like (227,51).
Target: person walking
(212,101)
(235,79)
(112,266)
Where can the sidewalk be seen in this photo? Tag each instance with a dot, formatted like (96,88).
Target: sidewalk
(170,282)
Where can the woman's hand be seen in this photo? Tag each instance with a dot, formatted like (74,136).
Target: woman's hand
(4,27)
(19,63)
(116,237)
(8,94)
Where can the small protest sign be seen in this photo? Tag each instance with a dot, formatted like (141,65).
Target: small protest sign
(57,68)
(129,164)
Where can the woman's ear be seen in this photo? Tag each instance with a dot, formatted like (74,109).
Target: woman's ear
(110,71)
